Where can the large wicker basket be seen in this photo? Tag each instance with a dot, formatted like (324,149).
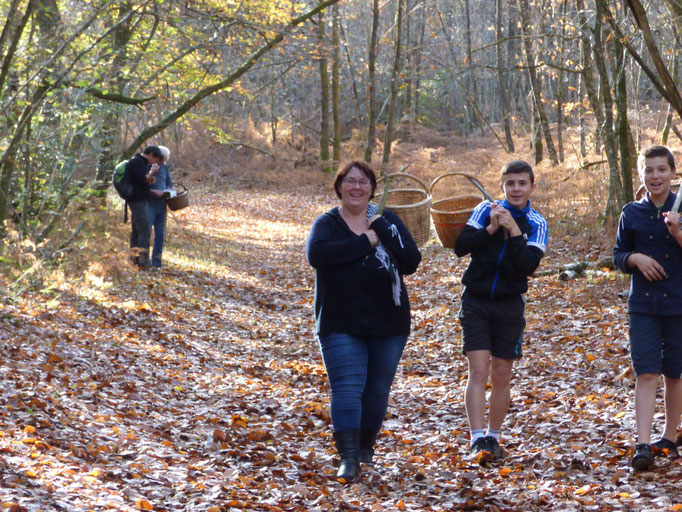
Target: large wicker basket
(410,204)
(451,214)
(180,201)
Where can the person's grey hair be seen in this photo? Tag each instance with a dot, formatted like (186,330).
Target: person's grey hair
(165,152)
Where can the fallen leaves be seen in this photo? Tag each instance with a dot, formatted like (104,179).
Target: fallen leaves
(202,388)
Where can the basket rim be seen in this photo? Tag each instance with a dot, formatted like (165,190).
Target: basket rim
(405,175)
(474,181)
(420,204)
(435,205)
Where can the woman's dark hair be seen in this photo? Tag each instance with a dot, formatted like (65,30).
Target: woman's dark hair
(360,166)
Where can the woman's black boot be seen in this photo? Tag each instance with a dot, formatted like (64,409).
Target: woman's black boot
(367,440)
(347,444)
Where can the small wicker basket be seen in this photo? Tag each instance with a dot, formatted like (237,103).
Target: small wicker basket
(411,205)
(450,215)
(180,201)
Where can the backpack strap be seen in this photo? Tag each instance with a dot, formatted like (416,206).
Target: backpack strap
(125,212)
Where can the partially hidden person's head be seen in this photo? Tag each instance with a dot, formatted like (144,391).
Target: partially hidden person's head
(517,181)
(656,165)
(165,152)
(364,169)
(153,154)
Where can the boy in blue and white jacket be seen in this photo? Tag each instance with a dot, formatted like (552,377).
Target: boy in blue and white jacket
(649,246)
(506,240)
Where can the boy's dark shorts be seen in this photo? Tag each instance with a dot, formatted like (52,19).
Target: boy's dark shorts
(656,344)
(494,325)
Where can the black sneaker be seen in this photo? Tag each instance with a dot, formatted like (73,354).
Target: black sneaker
(665,444)
(643,457)
(478,446)
(493,447)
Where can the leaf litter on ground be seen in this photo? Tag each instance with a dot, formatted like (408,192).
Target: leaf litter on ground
(201,388)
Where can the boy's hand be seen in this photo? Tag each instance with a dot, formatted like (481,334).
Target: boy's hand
(506,220)
(494,218)
(672,222)
(648,266)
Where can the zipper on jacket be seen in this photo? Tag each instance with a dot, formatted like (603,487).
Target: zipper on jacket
(497,274)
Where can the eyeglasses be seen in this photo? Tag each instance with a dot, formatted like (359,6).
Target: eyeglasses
(351,182)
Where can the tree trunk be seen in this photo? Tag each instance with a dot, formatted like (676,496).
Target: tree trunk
(324,92)
(536,136)
(561,76)
(502,77)
(110,136)
(8,167)
(351,69)
(675,73)
(534,80)
(588,75)
(615,199)
(397,34)
(409,61)
(418,62)
(371,84)
(336,113)
(663,81)
(472,84)
(581,116)
(628,160)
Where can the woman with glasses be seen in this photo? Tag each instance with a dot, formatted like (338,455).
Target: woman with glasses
(362,310)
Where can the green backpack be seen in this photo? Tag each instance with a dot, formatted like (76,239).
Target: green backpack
(122,184)
(121,180)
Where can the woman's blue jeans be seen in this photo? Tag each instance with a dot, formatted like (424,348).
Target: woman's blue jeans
(360,371)
(157,220)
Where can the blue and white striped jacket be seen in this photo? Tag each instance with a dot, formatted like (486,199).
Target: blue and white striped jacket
(500,266)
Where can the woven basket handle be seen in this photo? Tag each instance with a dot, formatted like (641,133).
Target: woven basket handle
(405,175)
(473,181)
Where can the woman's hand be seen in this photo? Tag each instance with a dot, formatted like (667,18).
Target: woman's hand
(649,267)
(373,238)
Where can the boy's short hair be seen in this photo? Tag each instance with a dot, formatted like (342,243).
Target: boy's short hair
(517,167)
(654,151)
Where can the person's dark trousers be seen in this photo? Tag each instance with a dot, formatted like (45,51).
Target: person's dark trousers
(360,372)
(140,231)
(157,218)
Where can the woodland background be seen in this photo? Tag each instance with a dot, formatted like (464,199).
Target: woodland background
(201,387)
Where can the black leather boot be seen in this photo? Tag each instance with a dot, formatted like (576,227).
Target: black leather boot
(142,260)
(367,440)
(347,444)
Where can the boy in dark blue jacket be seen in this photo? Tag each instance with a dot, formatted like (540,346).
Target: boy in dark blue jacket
(649,246)
(506,240)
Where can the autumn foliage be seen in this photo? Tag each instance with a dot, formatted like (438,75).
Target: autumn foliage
(201,388)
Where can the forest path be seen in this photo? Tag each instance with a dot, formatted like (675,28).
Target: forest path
(201,387)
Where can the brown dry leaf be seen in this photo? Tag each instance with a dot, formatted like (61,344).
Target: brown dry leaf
(143,504)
